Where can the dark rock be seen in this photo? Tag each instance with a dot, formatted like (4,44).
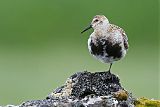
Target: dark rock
(86,89)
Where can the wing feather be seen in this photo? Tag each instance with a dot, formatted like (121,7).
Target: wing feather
(125,38)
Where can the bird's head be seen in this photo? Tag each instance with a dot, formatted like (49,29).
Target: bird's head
(98,22)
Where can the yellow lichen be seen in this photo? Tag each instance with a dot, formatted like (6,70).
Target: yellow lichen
(144,102)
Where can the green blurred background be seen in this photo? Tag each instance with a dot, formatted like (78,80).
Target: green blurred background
(41,45)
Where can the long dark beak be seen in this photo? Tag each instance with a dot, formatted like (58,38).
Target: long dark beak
(89,27)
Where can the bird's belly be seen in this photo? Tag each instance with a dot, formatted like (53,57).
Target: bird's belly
(106,51)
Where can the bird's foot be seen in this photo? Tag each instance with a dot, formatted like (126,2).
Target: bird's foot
(109,72)
(110,75)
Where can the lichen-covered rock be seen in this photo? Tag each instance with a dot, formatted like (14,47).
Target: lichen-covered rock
(85,83)
(86,89)
(89,101)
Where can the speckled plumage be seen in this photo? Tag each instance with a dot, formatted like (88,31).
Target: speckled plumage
(109,46)
(108,42)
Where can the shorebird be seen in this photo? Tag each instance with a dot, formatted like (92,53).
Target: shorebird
(108,43)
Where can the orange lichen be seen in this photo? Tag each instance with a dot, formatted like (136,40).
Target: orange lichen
(121,95)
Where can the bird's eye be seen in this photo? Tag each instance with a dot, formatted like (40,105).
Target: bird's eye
(96,20)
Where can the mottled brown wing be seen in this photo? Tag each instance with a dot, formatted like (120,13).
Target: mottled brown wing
(125,38)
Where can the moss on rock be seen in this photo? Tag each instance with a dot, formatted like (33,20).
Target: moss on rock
(144,102)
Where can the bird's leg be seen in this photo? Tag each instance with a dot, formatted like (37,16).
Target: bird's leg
(109,71)
(110,68)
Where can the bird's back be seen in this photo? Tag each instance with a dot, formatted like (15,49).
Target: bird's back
(118,33)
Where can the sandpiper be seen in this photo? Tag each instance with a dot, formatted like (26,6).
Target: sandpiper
(108,42)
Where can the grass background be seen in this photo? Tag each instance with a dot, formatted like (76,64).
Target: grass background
(41,45)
